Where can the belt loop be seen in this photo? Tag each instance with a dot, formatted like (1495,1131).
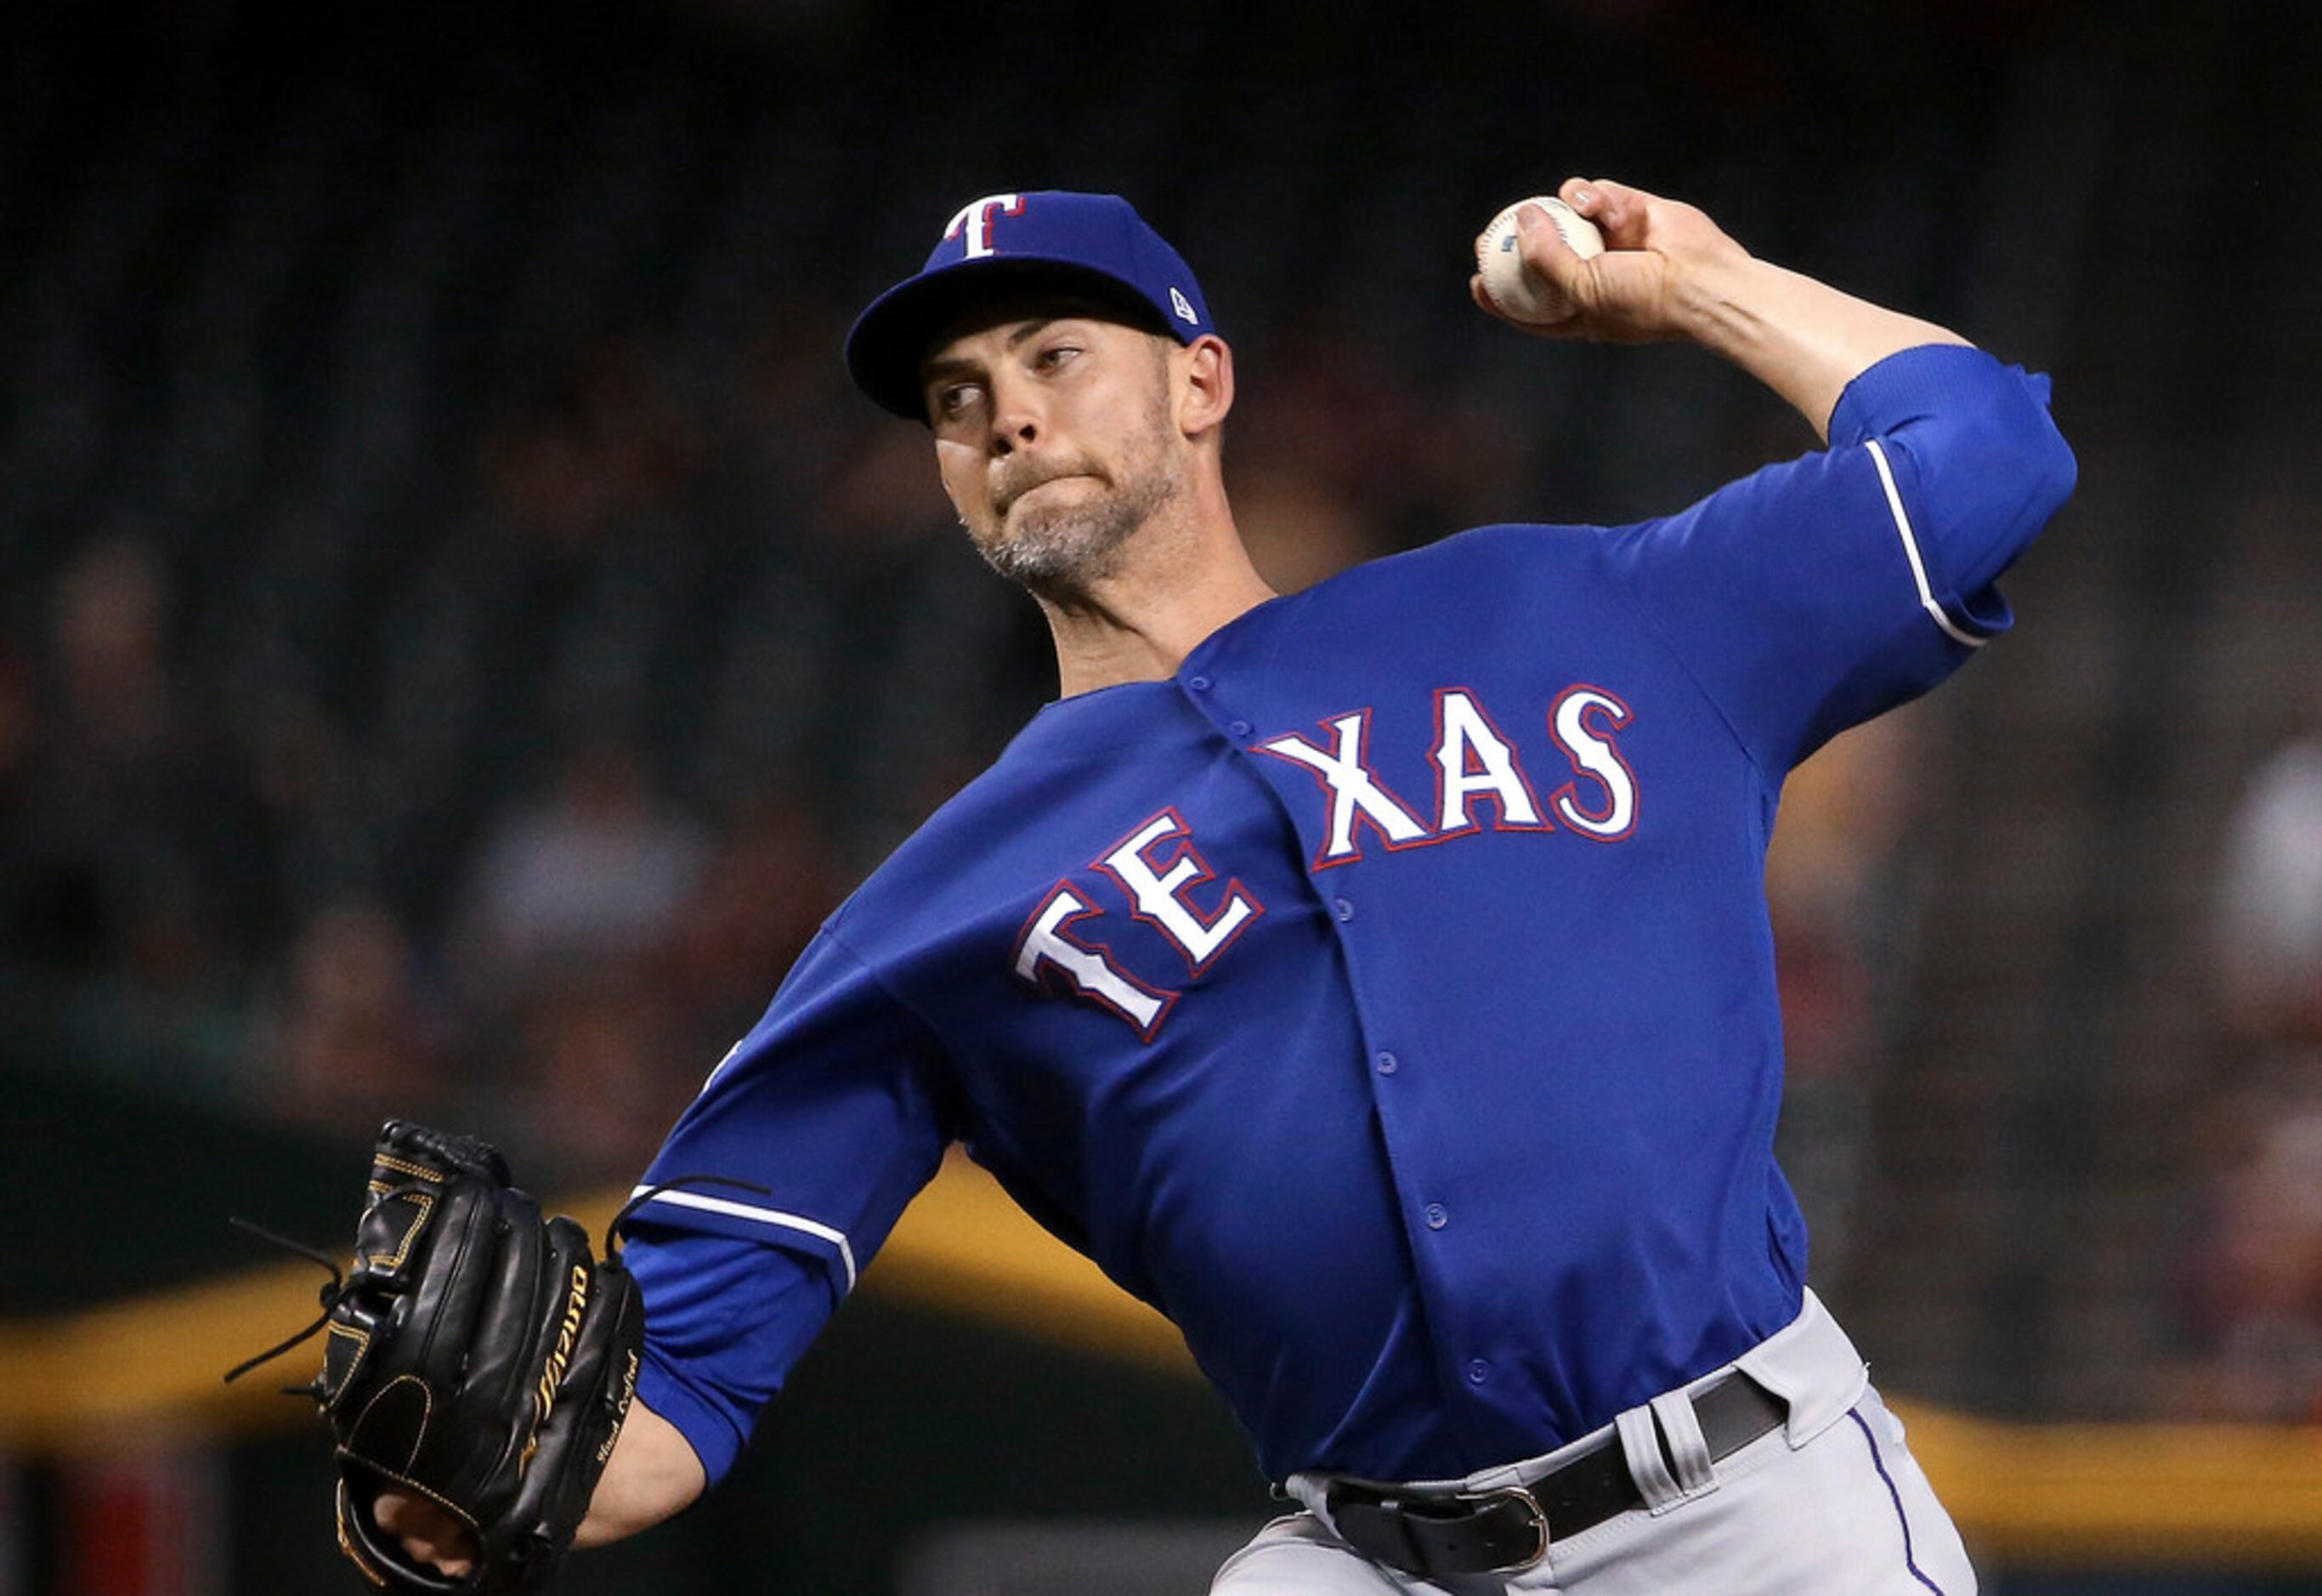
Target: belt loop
(1313,1493)
(1689,1450)
(1640,1446)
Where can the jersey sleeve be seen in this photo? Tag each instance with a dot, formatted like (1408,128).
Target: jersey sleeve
(1816,594)
(833,1105)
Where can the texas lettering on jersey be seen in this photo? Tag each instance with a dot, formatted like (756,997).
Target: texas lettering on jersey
(1160,872)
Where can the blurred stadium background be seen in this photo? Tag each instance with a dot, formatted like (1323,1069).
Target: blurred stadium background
(459,633)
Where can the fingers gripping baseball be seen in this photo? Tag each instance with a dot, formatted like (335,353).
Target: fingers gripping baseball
(1656,250)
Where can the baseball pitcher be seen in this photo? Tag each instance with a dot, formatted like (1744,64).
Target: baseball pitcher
(1375,979)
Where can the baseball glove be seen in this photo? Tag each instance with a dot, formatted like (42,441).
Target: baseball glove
(480,1357)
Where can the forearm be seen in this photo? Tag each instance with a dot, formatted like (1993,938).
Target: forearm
(1803,339)
(652,1475)
(1667,271)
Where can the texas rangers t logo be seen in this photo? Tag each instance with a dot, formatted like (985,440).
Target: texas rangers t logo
(975,218)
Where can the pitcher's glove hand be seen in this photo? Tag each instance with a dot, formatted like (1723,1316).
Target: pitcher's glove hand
(478,1356)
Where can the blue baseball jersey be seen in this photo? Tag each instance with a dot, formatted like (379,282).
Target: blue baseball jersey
(1389,997)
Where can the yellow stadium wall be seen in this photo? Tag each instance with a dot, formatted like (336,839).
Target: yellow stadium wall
(2159,1496)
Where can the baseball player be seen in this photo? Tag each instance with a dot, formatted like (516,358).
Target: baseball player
(1375,979)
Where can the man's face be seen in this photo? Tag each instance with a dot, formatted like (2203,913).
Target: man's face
(1054,435)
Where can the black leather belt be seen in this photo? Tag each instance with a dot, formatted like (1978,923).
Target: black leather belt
(1498,1531)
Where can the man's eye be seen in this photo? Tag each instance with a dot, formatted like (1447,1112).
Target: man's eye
(955,398)
(1057,355)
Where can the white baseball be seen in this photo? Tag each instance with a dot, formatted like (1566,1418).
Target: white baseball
(1515,286)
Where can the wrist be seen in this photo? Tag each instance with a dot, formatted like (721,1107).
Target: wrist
(653,1475)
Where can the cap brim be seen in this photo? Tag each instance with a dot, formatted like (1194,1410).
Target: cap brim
(896,331)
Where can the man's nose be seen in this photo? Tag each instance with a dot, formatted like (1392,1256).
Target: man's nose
(1016,420)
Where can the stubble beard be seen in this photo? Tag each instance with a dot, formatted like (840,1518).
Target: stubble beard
(1062,551)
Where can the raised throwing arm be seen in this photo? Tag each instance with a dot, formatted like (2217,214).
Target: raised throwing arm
(1670,273)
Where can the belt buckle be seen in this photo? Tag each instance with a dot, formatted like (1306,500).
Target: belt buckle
(1524,1499)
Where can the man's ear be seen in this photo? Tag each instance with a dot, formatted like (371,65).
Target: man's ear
(1205,390)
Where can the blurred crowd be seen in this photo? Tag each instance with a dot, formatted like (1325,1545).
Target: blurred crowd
(460,632)
(599,946)
(208,889)
(1838,905)
(2251,1273)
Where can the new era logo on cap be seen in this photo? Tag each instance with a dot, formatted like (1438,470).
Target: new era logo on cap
(1088,244)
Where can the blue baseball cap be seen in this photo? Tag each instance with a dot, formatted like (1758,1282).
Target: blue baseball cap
(1094,244)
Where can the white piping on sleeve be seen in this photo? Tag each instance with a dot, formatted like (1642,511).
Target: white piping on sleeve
(773,1217)
(1911,551)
